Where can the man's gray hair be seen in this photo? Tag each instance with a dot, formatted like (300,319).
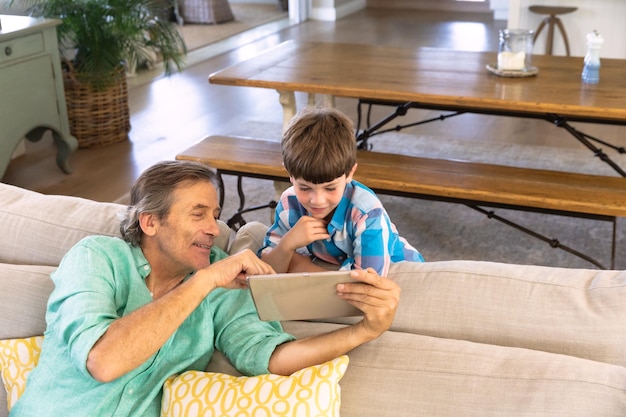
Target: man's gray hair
(152,193)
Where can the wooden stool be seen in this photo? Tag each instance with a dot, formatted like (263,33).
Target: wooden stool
(551,21)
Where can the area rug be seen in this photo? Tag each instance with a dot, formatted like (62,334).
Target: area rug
(446,231)
(247,16)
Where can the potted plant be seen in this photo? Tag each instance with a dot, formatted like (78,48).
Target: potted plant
(100,40)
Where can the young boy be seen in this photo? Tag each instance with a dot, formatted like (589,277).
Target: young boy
(326,215)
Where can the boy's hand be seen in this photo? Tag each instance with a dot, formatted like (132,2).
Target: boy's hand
(305,231)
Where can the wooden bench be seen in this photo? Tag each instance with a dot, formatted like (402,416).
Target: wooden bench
(474,184)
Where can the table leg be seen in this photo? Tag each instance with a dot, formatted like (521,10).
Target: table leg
(328,100)
(288,102)
(65,144)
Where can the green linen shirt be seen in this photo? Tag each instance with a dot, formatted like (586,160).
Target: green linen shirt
(102,279)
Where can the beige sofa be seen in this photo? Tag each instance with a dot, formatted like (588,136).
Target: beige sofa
(470,338)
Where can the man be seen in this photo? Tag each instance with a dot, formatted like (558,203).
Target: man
(126,314)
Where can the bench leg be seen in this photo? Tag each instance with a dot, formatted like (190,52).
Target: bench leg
(236,221)
(220,186)
(555,243)
(613,242)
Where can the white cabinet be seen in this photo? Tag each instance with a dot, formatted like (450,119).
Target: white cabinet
(32,100)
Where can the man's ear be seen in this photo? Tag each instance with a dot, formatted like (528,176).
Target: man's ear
(147,222)
(351,174)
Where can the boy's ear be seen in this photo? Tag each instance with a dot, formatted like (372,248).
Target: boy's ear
(352,171)
(291,178)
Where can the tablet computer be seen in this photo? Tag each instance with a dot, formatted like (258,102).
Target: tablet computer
(300,296)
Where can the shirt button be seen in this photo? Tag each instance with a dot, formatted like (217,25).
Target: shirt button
(131,391)
(146,267)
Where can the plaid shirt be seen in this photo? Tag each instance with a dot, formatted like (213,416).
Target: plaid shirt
(362,235)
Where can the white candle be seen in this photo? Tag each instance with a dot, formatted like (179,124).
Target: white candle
(511,60)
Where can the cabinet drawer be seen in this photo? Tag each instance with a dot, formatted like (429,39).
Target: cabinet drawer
(21,47)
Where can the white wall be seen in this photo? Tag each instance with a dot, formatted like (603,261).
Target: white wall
(254,1)
(607,16)
(500,9)
(330,10)
(18,7)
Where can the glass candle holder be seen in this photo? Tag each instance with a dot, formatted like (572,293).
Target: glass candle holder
(515,49)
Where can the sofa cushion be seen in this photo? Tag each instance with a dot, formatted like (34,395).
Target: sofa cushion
(24,291)
(402,374)
(39,229)
(249,236)
(18,357)
(313,391)
(570,311)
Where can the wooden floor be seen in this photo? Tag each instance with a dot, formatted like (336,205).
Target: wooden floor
(170,114)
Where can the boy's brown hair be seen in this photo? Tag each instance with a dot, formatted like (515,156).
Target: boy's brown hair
(319,145)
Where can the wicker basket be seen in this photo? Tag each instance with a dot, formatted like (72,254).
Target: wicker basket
(205,11)
(97,117)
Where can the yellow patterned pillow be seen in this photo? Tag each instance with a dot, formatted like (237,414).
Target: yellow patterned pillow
(312,391)
(17,358)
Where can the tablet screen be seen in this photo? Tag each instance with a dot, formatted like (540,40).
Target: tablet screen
(300,296)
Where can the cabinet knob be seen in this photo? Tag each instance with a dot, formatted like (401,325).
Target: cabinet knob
(8,51)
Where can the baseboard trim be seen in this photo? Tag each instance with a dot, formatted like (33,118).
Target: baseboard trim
(330,14)
(433,5)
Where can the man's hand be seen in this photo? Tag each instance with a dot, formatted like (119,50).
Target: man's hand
(231,272)
(378,297)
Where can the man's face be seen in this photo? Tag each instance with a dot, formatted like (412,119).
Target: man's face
(186,235)
(320,200)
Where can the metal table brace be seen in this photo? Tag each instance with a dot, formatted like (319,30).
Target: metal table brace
(559,121)
(370,130)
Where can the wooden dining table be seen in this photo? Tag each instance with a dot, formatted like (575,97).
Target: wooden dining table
(441,79)
(455,82)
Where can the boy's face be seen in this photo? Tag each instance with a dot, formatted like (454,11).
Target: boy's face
(320,200)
